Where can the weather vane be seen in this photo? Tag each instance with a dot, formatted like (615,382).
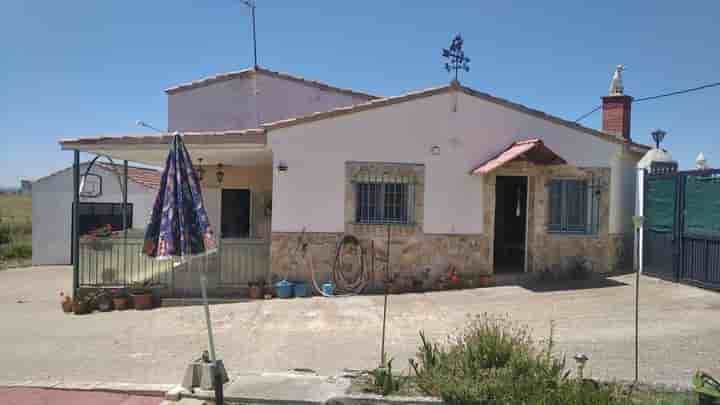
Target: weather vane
(456,57)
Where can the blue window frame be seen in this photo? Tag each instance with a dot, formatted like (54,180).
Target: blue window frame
(573,207)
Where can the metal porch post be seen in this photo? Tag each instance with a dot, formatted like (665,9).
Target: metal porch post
(124,218)
(75,253)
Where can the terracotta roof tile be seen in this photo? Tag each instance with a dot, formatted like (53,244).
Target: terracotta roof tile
(531,149)
(149,178)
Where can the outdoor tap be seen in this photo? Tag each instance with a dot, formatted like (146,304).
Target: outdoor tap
(580,359)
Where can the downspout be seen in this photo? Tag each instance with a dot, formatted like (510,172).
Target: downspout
(75,251)
(124,217)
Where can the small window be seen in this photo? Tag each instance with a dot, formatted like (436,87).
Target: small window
(96,215)
(573,207)
(383,203)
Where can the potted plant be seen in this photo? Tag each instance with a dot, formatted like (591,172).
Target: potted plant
(82,305)
(119,298)
(485,277)
(256,289)
(141,293)
(66,302)
(103,300)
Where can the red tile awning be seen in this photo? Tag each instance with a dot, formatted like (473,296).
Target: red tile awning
(533,150)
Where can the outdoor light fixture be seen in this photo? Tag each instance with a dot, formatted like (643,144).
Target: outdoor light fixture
(435,150)
(658,135)
(200,170)
(220,174)
(282,166)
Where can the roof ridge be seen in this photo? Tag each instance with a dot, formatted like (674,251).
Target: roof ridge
(259,69)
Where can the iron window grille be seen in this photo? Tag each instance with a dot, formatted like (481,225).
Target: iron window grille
(384,200)
(574,206)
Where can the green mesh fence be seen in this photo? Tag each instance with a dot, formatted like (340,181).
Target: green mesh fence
(660,204)
(702,205)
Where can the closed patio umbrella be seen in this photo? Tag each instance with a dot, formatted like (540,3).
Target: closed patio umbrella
(179,225)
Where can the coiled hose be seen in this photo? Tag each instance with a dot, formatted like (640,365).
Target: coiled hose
(343,285)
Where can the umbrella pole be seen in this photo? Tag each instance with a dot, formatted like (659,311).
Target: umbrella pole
(203,289)
(217,375)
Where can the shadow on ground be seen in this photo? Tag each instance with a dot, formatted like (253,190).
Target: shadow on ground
(571,285)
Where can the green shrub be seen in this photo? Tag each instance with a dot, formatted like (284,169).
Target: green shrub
(384,382)
(17,251)
(495,361)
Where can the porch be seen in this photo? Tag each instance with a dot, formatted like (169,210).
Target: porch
(236,171)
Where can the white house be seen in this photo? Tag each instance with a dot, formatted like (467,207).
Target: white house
(467,181)
(101,203)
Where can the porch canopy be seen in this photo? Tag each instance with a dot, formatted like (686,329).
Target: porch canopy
(532,150)
(241,148)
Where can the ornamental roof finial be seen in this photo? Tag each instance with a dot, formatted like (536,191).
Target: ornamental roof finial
(616,85)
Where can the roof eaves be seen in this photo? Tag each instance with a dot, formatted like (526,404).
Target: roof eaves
(545,116)
(250,71)
(253,135)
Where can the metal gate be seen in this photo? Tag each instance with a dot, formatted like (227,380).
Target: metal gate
(681,239)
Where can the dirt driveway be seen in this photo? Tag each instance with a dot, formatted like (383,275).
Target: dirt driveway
(680,330)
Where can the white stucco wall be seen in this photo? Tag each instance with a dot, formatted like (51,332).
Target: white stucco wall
(623,191)
(310,194)
(52,198)
(229,104)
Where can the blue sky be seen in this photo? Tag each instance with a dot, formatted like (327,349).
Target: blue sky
(88,67)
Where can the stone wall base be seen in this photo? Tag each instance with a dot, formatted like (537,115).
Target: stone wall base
(417,262)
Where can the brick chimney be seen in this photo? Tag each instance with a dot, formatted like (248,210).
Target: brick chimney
(616,108)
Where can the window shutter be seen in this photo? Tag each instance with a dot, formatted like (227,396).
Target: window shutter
(576,205)
(555,210)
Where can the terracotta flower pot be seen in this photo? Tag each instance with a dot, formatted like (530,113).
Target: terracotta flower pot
(80,308)
(256,292)
(484,280)
(143,301)
(67,306)
(120,303)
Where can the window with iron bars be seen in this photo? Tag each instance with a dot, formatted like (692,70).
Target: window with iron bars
(574,207)
(384,203)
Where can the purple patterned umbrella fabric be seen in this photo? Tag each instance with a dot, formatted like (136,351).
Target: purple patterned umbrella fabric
(179,225)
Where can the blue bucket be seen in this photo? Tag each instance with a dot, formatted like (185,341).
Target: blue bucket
(328,288)
(302,289)
(284,289)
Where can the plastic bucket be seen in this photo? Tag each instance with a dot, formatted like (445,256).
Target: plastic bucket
(301,290)
(284,289)
(328,288)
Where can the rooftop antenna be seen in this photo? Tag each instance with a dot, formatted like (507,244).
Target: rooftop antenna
(251,4)
(456,57)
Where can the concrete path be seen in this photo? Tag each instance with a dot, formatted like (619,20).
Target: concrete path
(39,396)
(680,330)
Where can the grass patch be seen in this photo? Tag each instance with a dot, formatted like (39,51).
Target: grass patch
(15,230)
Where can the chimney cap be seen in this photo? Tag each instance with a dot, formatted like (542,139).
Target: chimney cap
(616,84)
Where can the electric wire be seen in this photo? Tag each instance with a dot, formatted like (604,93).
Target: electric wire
(672,93)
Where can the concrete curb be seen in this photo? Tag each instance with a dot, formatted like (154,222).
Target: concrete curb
(368,399)
(151,390)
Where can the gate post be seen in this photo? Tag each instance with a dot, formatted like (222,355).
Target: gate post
(679,222)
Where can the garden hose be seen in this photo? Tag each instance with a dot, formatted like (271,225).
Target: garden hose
(343,286)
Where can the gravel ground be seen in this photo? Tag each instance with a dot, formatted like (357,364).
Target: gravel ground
(680,330)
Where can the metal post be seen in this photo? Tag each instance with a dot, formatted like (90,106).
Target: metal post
(75,253)
(637,312)
(387,280)
(254,37)
(124,218)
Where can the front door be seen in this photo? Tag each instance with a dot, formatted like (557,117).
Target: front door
(235,213)
(510,223)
